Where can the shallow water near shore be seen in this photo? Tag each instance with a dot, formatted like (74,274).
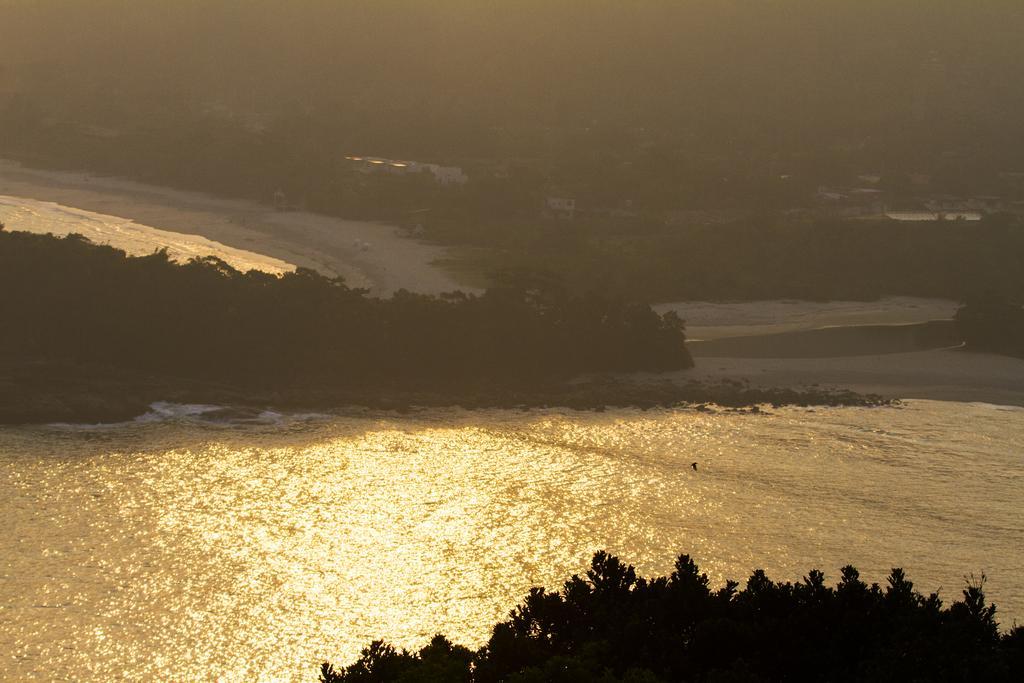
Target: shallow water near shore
(200,543)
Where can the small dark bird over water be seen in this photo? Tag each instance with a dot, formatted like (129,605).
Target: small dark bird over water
(694,466)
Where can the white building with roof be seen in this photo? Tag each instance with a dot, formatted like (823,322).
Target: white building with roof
(442,175)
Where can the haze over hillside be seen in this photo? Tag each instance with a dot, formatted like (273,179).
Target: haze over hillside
(775,86)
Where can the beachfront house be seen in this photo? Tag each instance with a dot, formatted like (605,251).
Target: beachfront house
(445,176)
(563,208)
(850,202)
(947,204)
(933,216)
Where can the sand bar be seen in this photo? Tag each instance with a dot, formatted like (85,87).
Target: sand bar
(940,375)
(707,320)
(368,255)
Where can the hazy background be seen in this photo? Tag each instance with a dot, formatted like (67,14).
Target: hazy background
(807,82)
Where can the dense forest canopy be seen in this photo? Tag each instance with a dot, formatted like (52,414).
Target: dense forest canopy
(763,256)
(79,303)
(895,82)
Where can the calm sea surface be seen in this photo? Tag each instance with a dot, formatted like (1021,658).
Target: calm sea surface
(197,546)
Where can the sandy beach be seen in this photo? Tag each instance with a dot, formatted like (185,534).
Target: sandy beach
(368,255)
(942,375)
(897,347)
(708,320)
(895,362)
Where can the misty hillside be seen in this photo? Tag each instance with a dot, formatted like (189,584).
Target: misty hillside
(779,85)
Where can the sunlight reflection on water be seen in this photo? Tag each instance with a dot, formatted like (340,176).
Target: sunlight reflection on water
(186,550)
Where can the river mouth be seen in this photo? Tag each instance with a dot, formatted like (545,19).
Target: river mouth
(203,544)
(835,342)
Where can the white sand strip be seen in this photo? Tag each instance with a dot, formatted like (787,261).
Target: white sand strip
(368,255)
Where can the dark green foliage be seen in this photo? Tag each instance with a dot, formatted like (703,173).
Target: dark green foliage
(69,300)
(615,627)
(993,324)
(438,662)
(761,257)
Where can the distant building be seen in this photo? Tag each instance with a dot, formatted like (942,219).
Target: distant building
(501,172)
(624,208)
(956,205)
(560,207)
(989,204)
(851,202)
(370,165)
(446,175)
(933,216)
(944,204)
(442,175)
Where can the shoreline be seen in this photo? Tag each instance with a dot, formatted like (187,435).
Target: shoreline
(728,389)
(895,347)
(373,256)
(947,374)
(47,393)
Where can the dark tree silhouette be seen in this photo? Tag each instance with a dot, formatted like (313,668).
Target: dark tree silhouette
(68,300)
(614,626)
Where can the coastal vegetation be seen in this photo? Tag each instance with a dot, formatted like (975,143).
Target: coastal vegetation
(93,335)
(612,626)
(71,300)
(753,257)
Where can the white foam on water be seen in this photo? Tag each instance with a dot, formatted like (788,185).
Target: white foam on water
(162,411)
(996,406)
(199,414)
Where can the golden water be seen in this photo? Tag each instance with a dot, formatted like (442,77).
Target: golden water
(192,549)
